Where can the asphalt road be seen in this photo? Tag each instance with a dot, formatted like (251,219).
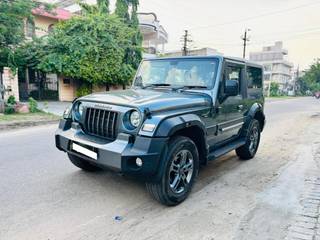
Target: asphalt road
(43,196)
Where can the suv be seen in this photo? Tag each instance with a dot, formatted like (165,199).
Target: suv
(179,114)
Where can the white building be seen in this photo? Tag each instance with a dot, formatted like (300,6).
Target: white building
(276,66)
(194,52)
(154,35)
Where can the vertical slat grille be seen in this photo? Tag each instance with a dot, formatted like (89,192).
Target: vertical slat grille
(101,123)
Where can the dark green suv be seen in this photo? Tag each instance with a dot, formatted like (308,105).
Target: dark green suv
(178,114)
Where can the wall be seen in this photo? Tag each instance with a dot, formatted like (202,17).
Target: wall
(10,81)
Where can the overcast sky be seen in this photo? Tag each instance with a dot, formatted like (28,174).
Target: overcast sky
(220,23)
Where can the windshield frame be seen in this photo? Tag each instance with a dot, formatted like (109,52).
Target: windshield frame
(209,58)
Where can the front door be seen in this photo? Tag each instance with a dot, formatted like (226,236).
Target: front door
(232,107)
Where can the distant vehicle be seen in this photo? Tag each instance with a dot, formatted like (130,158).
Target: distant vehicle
(178,114)
(317,94)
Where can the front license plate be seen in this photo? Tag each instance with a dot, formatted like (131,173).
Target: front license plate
(84,151)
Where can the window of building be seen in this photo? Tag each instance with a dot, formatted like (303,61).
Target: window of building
(254,77)
(30,28)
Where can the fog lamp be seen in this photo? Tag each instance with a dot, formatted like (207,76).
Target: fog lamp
(139,162)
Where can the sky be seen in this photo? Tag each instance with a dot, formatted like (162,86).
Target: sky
(219,24)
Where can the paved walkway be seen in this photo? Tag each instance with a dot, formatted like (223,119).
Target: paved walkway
(55,107)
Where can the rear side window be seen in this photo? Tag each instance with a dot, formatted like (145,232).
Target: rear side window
(254,76)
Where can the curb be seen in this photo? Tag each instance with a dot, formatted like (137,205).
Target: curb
(17,125)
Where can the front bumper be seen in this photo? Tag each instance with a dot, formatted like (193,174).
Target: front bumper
(119,155)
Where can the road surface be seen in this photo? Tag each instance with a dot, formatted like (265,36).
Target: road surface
(276,195)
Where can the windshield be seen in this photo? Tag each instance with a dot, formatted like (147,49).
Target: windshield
(177,73)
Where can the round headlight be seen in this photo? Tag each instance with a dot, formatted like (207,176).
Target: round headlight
(78,110)
(135,118)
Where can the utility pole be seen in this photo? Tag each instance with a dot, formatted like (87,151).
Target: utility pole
(245,39)
(186,40)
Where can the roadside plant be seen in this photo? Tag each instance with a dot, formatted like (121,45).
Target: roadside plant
(90,48)
(33,105)
(11,100)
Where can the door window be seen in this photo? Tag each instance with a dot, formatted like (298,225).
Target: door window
(233,73)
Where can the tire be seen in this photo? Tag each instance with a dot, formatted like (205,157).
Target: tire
(250,148)
(83,164)
(181,166)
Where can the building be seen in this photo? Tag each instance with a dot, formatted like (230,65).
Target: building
(154,35)
(276,66)
(28,81)
(194,52)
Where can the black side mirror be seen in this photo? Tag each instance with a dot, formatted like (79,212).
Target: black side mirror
(231,88)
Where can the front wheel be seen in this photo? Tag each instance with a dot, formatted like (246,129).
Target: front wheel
(250,148)
(181,169)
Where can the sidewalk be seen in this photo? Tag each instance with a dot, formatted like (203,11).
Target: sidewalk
(55,107)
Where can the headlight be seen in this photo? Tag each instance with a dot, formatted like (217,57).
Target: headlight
(135,118)
(78,111)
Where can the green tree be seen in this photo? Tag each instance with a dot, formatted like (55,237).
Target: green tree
(13,14)
(89,48)
(274,89)
(311,79)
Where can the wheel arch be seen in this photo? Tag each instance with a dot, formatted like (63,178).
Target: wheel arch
(189,125)
(256,112)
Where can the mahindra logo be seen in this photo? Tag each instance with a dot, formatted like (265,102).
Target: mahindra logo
(104,106)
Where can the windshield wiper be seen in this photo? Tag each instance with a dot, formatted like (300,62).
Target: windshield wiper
(191,87)
(157,85)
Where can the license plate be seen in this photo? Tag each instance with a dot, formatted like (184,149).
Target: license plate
(84,151)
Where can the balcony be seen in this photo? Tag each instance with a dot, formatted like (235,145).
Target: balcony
(154,34)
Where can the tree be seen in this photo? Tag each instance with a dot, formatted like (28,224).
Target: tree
(274,89)
(311,79)
(89,48)
(133,53)
(13,14)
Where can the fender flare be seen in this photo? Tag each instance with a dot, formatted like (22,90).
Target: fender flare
(169,126)
(256,108)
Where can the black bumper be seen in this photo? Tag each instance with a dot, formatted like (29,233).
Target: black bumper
(119,155)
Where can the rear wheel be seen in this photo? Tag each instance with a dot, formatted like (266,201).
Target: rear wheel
(250,148)
(181,169)
(83,164)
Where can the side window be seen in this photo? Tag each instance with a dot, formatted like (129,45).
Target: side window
(233,73)
(254,76)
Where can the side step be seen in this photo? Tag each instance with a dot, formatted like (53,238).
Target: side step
(226,148)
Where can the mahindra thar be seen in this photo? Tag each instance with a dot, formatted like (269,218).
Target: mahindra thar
(179,114)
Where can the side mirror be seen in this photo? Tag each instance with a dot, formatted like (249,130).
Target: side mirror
(231,88)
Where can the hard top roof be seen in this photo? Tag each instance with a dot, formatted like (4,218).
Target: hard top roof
(234,59)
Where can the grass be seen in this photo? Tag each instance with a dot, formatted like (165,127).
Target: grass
(21,117)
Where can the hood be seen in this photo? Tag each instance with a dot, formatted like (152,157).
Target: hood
(155,100)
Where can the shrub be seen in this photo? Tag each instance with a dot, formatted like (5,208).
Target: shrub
(33,105)
(9,109)
(83,91)
(11,100)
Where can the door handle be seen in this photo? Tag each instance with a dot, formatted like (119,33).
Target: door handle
(240,107)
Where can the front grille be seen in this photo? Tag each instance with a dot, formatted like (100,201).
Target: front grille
(101,123)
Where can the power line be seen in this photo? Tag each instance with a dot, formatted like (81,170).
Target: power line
(257,16)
